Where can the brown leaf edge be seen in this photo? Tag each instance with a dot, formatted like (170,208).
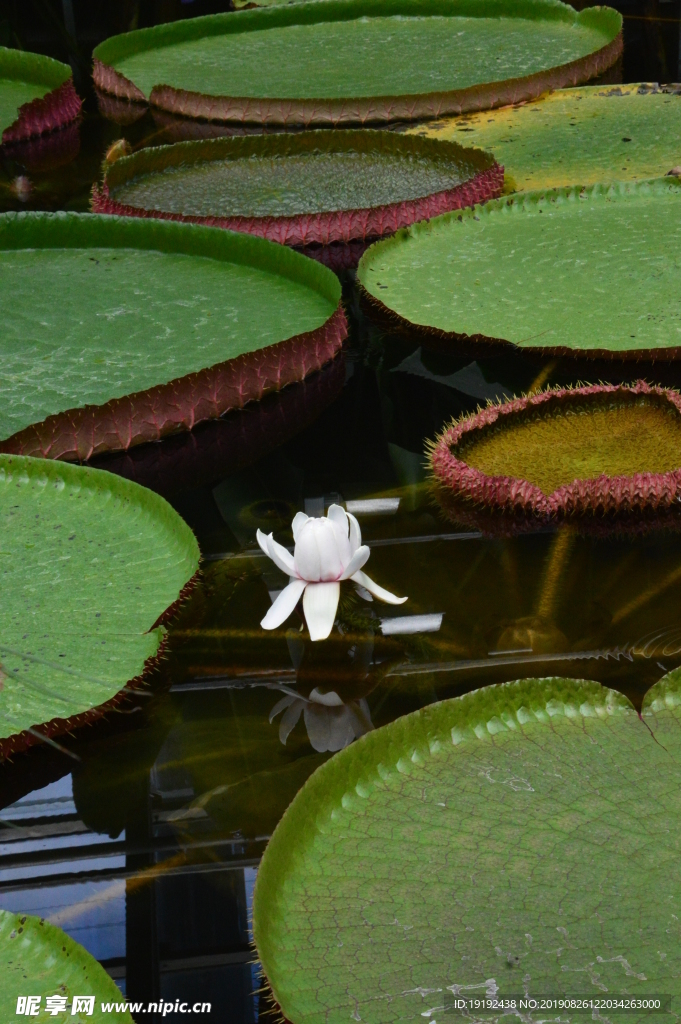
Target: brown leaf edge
(19,742)
(78,434)
(501,505)
(217,449)
(370,110)
(337,226)
(53,110)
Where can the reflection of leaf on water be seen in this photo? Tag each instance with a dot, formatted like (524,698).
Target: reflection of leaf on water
(252,805)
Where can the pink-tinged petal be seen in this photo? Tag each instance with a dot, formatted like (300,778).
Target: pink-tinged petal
(282,558)
(320,602)
(299,521)
(284,604)
(306,556)
(285,702)
(360,558)
(262,541)
(373,588)
(289,719)
(355,533)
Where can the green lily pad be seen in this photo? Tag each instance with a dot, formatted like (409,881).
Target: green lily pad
(39,959)
(187,320)
(25,78)
(594,271)
(520,840)
(578,136)
(89,564)
(358,60)
(289,175)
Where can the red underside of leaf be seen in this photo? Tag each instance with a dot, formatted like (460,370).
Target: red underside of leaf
(246,110)
(339,226)
(78,434)
(46,152)
(111,81)
(21,741)
(51,111)
(504,505)
(214,450)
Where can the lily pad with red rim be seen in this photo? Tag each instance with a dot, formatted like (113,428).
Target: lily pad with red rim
(519,841)
(574,272)
(118,330)
(358,61)
(595,456)
(36,95)
(91,565)
(310,188)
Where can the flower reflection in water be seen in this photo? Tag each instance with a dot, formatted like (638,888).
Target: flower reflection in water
(330,723)
(328,550)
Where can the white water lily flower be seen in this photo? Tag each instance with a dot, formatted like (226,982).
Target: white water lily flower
(331,724)
(328,549)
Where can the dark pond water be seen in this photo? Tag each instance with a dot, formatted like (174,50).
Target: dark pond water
(145,848)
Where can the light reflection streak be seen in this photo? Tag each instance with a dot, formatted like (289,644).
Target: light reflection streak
(647,595)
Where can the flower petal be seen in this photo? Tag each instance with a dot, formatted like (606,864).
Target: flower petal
(339,517)
(330,543)
(289,719)
(285,702)
(329,728)
(355,533)
(284,604)
(299,521)
(373,588)
(330,699)
(320,602)
(262,541)
(360,558)
(282,558)
(306,556)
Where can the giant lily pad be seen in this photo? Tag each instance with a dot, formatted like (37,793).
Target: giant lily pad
(217,449)
(36,95)
(90,563)
(39,959)
(359,60)
(591,272)
(310,188)
(578,136)
(118,331)
(519,841)
(606,452)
